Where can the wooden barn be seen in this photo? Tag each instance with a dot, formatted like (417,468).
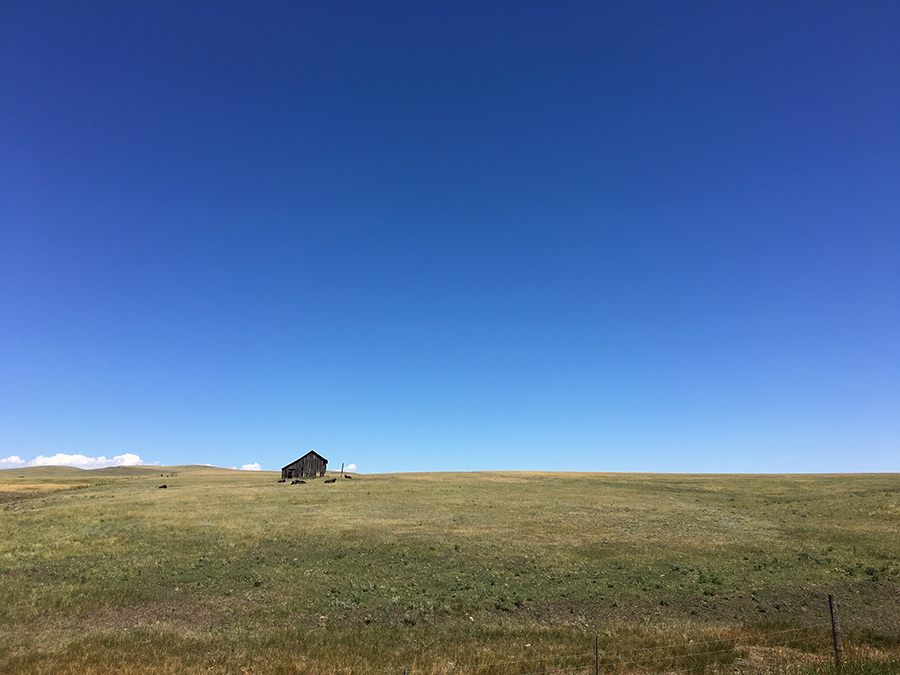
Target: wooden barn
(312,464)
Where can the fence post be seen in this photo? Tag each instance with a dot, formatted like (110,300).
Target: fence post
(596,655)
(835,632)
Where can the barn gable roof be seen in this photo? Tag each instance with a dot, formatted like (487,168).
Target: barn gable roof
(311,452)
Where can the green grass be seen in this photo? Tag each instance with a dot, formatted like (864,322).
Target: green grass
(230,572)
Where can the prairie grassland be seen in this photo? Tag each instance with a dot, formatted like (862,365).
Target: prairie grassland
(231,572)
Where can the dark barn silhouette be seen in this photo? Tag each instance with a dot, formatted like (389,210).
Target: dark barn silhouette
(312,464)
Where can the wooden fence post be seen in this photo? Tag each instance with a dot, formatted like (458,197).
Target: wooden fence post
(835,632)
(596,655)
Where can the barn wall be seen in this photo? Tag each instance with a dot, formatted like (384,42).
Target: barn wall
(305,467)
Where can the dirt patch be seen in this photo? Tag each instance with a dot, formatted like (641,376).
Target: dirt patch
(157,615)
(24,572)
(7,497)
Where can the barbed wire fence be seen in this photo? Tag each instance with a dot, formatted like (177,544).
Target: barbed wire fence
(666,659)
(694,656)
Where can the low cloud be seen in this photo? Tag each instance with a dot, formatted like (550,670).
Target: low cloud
(80,461)
(251,467)
(351,467)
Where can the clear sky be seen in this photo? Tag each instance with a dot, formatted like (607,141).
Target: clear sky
(414,236)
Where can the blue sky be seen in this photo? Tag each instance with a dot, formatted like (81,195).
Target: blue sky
(624,236)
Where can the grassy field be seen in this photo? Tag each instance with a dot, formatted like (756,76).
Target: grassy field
(485,573)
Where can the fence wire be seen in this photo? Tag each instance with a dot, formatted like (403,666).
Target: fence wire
(726,639)
(758,640)
(490,664)
(610,660)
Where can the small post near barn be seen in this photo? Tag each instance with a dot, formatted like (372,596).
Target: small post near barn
(312,464)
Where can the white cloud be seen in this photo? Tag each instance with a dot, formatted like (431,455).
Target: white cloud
(351,467)
(251,467)
(11,462)
(80,461)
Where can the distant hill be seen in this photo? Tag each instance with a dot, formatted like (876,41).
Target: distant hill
(114,471)
(42,472)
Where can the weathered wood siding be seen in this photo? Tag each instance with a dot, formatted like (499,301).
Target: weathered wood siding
(312,464)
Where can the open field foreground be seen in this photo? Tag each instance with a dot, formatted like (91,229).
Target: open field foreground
(485,573)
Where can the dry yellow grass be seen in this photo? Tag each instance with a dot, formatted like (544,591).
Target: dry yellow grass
(229,570)
(41,487)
